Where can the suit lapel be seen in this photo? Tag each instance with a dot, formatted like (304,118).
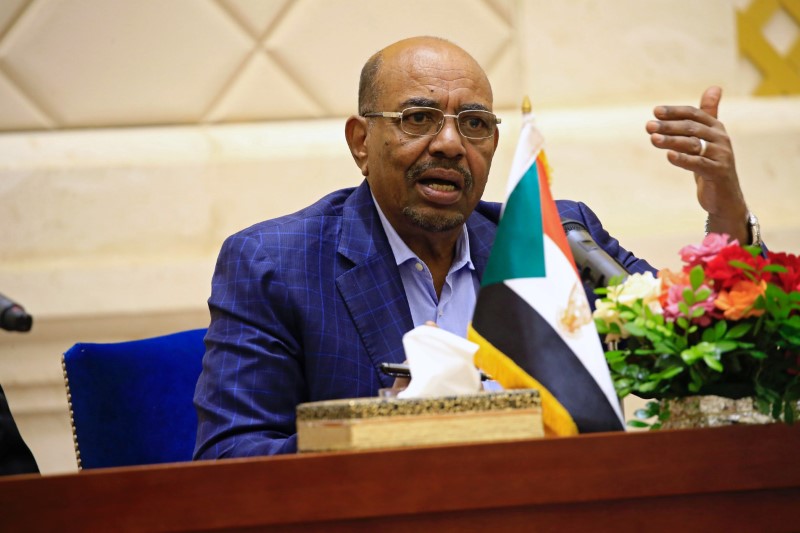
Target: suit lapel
(481,231)
(372,289)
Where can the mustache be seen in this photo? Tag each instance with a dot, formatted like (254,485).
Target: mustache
(416,171)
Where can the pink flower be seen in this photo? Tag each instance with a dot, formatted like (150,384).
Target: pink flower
(708,249)
(675,297)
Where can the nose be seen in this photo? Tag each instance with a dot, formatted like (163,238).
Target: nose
(448,142)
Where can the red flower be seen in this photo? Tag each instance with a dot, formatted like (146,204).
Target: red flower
(790,280)
(725,275)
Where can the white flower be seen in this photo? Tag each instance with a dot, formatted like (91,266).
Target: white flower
(643,287)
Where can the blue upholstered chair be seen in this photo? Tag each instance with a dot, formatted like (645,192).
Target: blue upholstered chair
(131,402)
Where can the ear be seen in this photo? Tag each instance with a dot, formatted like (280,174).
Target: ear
(496,139)
(355,131)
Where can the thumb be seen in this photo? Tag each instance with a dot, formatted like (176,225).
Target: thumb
(709,102)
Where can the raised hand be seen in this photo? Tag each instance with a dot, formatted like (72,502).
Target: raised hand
(696,140)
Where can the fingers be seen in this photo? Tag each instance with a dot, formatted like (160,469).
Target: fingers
(691,134)
(709,102)
(699,145)
(694,163)
(686,113)
(401,382)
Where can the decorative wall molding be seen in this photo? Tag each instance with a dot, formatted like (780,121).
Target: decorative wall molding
(769,37)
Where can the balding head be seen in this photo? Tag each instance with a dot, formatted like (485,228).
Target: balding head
(370,86)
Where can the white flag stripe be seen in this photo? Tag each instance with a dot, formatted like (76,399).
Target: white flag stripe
(531,142)
(550,296)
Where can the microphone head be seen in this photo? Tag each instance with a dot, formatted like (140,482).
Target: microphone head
(594,264)
(15,318)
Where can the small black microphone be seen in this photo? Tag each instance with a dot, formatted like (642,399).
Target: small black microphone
(595,266)
(13,317)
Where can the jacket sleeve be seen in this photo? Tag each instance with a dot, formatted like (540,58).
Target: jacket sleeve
(252,377)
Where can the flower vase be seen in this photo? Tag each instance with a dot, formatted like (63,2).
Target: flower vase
(711,411)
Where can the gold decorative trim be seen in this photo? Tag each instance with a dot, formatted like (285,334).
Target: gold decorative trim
(780,74)
(71,413)
(388,407)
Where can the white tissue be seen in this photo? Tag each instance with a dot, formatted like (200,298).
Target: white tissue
(441,363)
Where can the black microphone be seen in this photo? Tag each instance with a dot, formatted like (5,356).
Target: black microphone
(595,266)
(13,317)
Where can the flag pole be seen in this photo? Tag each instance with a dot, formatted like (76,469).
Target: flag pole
(526,105)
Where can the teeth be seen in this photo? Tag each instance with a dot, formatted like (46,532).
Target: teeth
(442,187)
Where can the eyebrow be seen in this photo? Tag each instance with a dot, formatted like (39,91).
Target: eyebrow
(421,101)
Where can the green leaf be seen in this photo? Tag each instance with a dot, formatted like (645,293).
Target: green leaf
(725,346)
(774,268)
(691,355)
(638,424)
(713,362)
(788,412)
(636,330)
(738,331)
(702,295)
(688,296)
(669,373)
(709,335)
(648,386)
(741,265)
(696,277)
(615,356)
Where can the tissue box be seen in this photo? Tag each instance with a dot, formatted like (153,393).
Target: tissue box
(367,423)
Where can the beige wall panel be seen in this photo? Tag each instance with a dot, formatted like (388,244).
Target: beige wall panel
(256,15)
(589,53)
(325,44)
(18,111)
(263,91)
(91,63)
(76,205)
(9,10)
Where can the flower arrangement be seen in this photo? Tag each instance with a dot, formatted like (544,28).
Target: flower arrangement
(727,324)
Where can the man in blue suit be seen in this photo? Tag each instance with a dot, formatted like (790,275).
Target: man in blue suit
(305,307)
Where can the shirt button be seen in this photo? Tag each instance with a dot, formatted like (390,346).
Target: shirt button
(441,313)
(419,267)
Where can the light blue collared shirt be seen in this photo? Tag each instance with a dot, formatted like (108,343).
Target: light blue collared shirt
(453,310)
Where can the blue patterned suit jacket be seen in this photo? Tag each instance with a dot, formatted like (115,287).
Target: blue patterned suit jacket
(305,307)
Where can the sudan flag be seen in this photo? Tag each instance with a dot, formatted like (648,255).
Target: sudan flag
(532,320)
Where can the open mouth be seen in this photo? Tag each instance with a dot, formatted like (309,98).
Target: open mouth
(439,191)
(439,185)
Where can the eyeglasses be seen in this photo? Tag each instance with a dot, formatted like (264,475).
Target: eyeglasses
(426,121)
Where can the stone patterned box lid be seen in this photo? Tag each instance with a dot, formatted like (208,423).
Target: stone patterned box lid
(362,408)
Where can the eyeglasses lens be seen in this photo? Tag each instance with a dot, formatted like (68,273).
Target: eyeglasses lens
(428,121)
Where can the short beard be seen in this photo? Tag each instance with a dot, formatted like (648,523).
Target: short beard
(436,222)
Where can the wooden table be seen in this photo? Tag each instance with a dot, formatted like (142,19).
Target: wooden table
(726,479)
